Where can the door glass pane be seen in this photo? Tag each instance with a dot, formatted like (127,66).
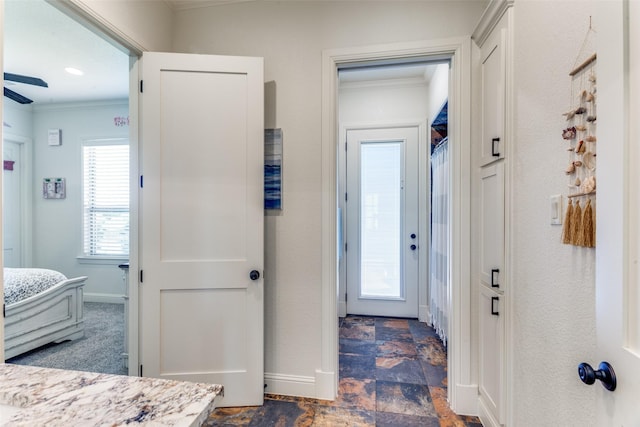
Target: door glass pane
(380,221)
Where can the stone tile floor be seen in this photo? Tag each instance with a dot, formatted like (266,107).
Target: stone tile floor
(393,372)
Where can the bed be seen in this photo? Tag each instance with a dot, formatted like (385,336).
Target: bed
(41,306)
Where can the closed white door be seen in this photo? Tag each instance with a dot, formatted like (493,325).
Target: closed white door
(618,213)
(382,222)
(201,216)
(12,204)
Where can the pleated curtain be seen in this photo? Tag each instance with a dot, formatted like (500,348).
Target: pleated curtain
(439,271)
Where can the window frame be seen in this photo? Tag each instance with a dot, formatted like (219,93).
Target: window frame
(86,257)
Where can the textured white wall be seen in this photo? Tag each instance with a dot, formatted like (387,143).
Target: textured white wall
(148,23)
(554,284)
(57,224)
(17,119)
(438,90)
(291,37)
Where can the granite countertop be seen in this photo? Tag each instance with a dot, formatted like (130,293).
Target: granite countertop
(31,396)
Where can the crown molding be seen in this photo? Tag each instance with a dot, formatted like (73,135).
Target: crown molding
(489,19)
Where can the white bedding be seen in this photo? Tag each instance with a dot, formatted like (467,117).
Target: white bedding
(22,283)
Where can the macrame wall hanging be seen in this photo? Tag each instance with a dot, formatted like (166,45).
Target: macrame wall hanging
(580,136)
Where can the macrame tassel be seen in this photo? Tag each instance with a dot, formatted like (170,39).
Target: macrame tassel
(568,224)
(588,235)
(576,228)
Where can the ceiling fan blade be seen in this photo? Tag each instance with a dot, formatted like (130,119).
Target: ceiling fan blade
(25,79)
(16,96)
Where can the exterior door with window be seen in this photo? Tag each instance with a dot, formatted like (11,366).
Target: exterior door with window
(382,222)
(201,222)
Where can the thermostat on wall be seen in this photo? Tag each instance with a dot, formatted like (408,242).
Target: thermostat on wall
(55,137)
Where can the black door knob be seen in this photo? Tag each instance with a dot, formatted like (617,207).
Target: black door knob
(605,374)
(413,247)
(413,235)
(254,275)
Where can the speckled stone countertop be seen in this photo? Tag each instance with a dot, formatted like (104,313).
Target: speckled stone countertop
(31,396)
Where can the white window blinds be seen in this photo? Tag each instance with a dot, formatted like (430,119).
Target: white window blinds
(106,198)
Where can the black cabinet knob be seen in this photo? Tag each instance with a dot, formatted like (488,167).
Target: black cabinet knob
(605,374)
(413,247)
(413,235)
(254,275)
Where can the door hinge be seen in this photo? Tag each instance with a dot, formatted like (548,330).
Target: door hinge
(346,197)
(140,369)
(141,181)
(4,310)
(345,145)
(346,297)
(141,86)
(141,276)
(346,246)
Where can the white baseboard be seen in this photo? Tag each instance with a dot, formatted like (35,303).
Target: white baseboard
(108,298)
(466,399)
(326,385)
(485,415)
(342,309)
(290,385)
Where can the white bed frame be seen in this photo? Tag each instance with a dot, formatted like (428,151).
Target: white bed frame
(54,315)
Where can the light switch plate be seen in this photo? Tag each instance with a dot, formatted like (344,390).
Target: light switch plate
(556,209)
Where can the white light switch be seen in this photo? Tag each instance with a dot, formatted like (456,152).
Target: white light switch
(556,209)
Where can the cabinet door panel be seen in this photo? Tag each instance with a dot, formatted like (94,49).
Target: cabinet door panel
(491,351)
(493,68)
(492,226)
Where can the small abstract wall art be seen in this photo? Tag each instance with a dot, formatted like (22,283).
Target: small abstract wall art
(273,169)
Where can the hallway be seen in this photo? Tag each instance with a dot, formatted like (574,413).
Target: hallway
(392,373)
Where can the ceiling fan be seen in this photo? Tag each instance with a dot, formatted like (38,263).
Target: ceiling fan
(22,79)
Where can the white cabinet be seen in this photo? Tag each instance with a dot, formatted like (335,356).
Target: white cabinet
(493,69)
(491,299)
(492,226)
(493,77)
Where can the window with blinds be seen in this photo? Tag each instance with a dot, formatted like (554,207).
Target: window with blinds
(106,198)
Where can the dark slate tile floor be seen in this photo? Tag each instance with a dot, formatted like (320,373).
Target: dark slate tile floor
(393,372)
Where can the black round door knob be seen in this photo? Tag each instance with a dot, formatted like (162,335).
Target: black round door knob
(413,247)
(254,275)
(605,374)
(413,235)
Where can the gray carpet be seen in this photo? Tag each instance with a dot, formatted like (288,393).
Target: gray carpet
(99,351)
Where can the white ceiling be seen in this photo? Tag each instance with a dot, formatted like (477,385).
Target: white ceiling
(41,41)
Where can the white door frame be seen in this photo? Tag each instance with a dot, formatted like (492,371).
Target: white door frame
(84,15)
(423,206)
(462,390)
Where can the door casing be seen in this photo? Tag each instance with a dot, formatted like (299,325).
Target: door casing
(462,393)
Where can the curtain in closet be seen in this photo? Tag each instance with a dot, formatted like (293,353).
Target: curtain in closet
(439,283)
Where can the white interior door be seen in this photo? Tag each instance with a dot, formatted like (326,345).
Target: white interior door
(618,213)
(12,204)
(201,216)
(382,222)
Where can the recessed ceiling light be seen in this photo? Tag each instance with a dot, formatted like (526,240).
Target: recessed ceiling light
(74,71)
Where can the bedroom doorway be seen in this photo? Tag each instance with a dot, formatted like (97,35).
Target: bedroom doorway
(72,106)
